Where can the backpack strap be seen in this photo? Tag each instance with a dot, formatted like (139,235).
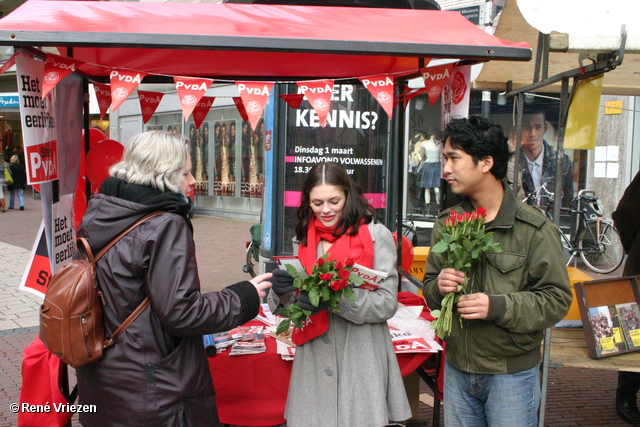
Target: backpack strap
(124,233)
(126,323)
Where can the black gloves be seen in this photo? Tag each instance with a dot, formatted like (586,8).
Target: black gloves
(305,304)
(282,282)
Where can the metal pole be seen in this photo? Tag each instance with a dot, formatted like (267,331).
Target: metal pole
(544,371)
(516,160)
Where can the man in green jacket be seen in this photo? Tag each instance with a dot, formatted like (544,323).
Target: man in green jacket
(493,353)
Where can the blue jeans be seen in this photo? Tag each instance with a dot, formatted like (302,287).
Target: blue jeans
(505,400)
(12,194)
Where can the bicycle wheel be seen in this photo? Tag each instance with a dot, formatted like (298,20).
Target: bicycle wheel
(410,232)
(248,267)
(606,253)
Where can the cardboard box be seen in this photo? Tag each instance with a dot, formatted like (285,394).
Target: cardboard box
(575,276)
(420,254)
(610,315)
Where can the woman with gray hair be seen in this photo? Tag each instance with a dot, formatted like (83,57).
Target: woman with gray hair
(156,373)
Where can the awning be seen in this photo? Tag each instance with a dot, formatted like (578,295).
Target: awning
(251,41)
(574,27)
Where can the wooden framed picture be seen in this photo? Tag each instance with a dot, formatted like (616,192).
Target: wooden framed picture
(610,315)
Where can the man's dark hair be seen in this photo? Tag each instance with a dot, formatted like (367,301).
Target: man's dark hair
(479,137)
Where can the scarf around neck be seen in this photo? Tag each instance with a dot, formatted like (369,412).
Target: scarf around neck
(359,247)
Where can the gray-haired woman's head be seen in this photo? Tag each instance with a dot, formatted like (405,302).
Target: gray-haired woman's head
(155,159)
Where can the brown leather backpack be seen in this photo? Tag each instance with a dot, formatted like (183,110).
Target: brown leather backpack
(71,322)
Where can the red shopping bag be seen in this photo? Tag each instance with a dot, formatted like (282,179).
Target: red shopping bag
(43,377)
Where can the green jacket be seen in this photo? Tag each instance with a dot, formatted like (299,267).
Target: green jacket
(528,288)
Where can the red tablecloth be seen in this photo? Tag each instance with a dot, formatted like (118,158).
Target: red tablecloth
(251,390)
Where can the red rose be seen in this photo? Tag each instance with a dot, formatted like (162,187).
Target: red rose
(344,274)
(474,216)
(453,214)
(320,262)
(336,285)
(349,262)
(482,212)
(343,283)
(339,265)
(460,217)
(467,216)
(326,276)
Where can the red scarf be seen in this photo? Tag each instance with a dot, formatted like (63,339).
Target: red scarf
(358,247)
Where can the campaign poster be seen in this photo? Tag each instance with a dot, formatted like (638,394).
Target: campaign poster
(38,272)
(199,146)
(38,122)
(224,182)
(355,135)
(63,232)
(253,146)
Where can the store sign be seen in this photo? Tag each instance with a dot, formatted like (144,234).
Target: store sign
(9,101)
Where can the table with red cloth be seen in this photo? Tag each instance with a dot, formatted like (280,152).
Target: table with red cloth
(251,390)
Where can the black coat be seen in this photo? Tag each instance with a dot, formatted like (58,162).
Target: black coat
(626,221)
(156,374)
(19,176)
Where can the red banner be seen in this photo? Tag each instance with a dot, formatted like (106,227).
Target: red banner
(381,87)
(103,95)
(57,68)
(240,107)
(10,63)
(254,97)
(319,93)
(459,88)
(202,109)
(434,80)
(36,276)
(149,102)
(123,83)
(190,91)
(293,100)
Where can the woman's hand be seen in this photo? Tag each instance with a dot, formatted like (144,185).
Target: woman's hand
(260,284)
(449,279)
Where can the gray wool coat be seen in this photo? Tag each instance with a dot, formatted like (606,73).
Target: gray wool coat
(349,376)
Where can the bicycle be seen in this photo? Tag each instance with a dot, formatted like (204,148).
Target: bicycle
(591,235)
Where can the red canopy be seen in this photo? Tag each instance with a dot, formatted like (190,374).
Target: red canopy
(250,41)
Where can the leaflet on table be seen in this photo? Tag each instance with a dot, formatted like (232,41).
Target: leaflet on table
(287,352)
(372,278)
(292,260)
(407,342)
(248,340)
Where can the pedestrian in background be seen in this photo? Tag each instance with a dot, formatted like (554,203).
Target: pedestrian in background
(626,221)
(19,175)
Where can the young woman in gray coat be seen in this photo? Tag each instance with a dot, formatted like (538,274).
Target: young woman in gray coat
(156,373)
(349,375)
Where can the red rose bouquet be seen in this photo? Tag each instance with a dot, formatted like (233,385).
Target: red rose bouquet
(463,241)
(328,282)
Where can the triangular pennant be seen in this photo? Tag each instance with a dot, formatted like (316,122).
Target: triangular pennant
(435,78)
(103,95)
(10,63)
(202,109)
(254,97)
(319,93)
(381,87)
(57,68)
(240,107)
(123,83)
(149,102)
(190,91)
(293,100)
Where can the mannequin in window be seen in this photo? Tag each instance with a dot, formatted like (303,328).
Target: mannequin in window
(417,157)
(430,179)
